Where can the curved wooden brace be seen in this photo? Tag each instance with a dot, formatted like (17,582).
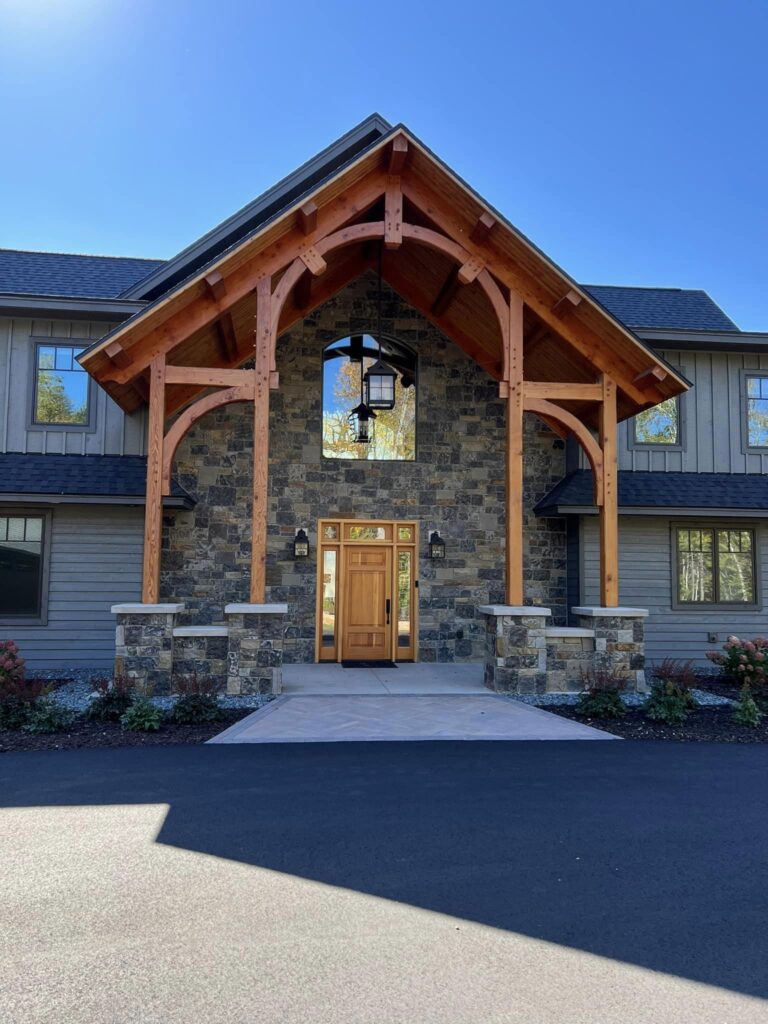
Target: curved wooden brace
(280,294)
(549,410)
(190,416)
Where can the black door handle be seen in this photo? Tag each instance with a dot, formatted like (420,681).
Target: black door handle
(388,607)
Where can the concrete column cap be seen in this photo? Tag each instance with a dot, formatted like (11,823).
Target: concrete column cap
(611,613)
(201,631)
(520,610)
(256,609)
(146,609)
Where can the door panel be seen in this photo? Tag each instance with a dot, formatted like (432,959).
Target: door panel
(367,633)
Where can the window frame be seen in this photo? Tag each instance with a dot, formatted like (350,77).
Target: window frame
(717,604)
(655,446)
(46,514)
(349,460)
(746,447)
(34,424)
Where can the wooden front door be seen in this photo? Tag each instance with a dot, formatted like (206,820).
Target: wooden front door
(366,630)
(366,590)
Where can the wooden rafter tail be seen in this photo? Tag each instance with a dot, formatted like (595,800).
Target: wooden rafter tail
(567,304)
(653,375)
(307,218)
(117,355)
(482,228)
(214,286)
(153,509)
(398,154)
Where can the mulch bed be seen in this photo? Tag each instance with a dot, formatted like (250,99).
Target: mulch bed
(704,725)
(84,733)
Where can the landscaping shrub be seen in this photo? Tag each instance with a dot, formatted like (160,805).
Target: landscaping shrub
(746,711)
(197,702)
(141,716)
(11,663)
(17,694)
(743,660)
(669,702)
(114,698)
(47,716)
(602,697)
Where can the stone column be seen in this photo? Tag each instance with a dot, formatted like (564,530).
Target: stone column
(255,652)
(144,644)
(619,640)
(201,651)
(515,648)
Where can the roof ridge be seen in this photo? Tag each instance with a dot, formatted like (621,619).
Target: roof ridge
(648,288)
(87,255)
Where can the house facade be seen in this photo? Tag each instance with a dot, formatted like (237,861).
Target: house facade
(178,444)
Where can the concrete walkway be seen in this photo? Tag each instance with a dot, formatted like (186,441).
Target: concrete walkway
(336,718)
(420,678)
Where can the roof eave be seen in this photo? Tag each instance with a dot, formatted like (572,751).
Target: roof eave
(19,304)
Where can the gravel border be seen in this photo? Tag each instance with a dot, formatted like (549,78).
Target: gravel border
(632,700)
(77,696)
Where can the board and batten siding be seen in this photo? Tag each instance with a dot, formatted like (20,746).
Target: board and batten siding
(95,562)
(645,581)
(113,432)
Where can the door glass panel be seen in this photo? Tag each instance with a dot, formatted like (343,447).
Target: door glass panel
(331,531)
(404,599)
(329,598)
(405,533)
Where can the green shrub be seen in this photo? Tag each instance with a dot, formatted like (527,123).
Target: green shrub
(669,702)
(602,694)
(197,702)
(141,716)
(114,697)
(17,694)
(744,661)
(745,710)
(47,716)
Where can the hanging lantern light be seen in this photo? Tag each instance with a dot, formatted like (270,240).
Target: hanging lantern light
(301,544)
(436,545)
(361,421)
(380,385)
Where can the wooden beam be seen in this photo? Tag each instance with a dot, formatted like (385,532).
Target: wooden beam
(447,293)
(227,337)
(482,228)
(550,411)
(470,270)
(567,304)
(302,295)
(561,392)
(393,214)
(117,354)
(653,374)
(215,286)
(207,377)
(307,218)
(398,154)
(513,374)
(609,510)
(260,506)
(153,509)
(312,260)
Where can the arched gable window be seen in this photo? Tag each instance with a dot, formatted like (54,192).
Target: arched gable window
(391,432)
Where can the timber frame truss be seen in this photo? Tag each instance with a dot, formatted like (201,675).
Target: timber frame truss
(301,269)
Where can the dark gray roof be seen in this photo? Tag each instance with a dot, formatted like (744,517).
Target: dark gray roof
(115,476)
(663,490)
(70,274)
(675,308)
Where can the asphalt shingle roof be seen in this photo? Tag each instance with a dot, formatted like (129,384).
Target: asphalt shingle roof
(684,309)
(70,275)
(123,476)
(664,490)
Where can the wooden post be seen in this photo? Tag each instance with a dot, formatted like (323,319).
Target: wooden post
(609,510)
(260,506)
(513,363)
(153,509)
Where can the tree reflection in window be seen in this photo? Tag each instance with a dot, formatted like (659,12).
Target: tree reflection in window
(757,411)
(659,425)
(394,433)
(715,566)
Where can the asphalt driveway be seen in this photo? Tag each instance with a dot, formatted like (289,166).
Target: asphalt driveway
(388,882)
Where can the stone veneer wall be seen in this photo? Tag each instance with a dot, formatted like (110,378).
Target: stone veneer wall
(456,486)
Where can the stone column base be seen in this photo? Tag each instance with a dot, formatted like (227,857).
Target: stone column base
(515,648)
(255,652)
(201,651)
(619,640)
(144,644)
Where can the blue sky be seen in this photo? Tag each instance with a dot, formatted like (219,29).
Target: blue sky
(628,141)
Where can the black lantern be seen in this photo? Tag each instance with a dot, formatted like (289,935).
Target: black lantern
(301,544)
(361,421)
(380,385)
(436,545)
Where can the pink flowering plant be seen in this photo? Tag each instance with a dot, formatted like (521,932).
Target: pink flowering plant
(11,663)
(743,661)
(17,694)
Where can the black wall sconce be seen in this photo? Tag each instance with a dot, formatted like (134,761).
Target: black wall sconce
(301,544)
(436,545)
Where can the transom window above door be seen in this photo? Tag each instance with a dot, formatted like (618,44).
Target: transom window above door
(61,386)
(363,375)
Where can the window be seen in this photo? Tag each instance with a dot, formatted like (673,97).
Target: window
(659,425)
(61,386)
(757,410)
(22,558)
(715,566)
(392,431)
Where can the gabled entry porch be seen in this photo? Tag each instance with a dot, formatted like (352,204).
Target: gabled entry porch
(538,343)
